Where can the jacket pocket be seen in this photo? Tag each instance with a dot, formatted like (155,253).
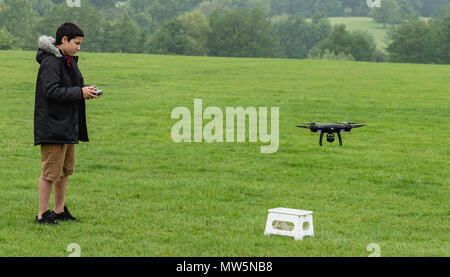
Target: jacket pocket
(60,129)
(60,125)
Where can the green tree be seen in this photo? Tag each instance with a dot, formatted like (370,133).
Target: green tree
(297,36)
(209,7)
(307,7)
(184,35)
(441,14)
(441,23)
(243,34)
(126,36)
(106,37)
(358,7)
(6,40)
(359,45)
(42,7)
(196,25)
(145,22)
(443,43)
(218,6)
(104,4)
(340,40)
(429,7)
(388,13)
(172,40)
(363,46)
(410,9)
(162,11)
(17,17)
(414,42)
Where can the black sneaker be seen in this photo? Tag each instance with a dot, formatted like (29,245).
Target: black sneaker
(65,216)
(48,218)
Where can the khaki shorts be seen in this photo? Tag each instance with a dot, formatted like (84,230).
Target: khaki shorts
(58,161)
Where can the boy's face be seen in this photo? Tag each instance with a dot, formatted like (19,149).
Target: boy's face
(70,48)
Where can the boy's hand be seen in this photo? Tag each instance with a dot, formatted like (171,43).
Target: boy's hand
(89,92)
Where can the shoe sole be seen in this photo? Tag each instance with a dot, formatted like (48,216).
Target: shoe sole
(45,223)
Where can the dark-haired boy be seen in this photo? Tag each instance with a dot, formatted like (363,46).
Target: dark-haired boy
(59,117)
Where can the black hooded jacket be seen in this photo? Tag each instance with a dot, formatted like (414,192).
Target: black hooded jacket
(60,110)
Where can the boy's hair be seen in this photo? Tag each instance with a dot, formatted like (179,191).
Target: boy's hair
(69,30)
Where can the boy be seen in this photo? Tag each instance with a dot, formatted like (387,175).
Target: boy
(59,117)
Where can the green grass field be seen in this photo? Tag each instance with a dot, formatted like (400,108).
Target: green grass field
(140,194)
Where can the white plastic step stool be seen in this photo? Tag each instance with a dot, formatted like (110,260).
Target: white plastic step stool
(302,220)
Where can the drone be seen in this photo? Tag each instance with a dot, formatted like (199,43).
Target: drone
(330,129)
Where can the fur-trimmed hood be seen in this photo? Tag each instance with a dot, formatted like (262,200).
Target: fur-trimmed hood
(47,47)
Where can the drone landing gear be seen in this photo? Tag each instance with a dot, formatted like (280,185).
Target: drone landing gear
(321,138)
(340,138)
(330,138)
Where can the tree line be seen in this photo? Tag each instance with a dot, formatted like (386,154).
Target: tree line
(229,28)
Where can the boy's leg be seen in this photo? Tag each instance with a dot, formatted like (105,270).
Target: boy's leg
(52,170)
(60,194)
(61,185)
(45,189)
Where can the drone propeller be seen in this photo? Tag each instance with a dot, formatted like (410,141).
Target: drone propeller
(357,126)
(350,123)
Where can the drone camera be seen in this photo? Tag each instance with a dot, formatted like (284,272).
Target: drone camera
(330,138)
